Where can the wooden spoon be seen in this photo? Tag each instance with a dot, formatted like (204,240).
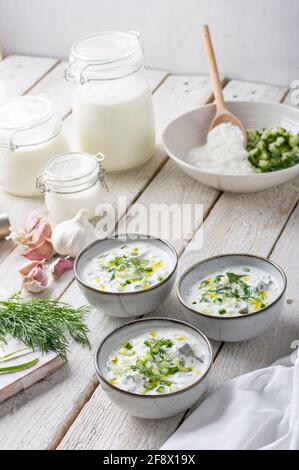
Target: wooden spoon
(222,114)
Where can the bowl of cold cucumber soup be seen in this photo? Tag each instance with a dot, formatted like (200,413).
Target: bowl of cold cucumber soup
(232,297)
(127,276)
(154,367)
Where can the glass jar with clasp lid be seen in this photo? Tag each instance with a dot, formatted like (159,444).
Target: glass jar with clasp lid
(30,134)
(70,182)
(112,101)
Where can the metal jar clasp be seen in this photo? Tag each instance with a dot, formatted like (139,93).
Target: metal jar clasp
(41,184)
(100,157)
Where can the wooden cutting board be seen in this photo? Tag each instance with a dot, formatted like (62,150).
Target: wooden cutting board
(12,383)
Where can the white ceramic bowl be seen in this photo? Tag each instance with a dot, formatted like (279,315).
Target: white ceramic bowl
(150,406)
(191,129)
(237,328)
(125,304)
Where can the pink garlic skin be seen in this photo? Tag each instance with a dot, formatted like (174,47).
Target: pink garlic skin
(42,231)
(36,280)
(43,251)
(33,232)
(60,266)
(27,267)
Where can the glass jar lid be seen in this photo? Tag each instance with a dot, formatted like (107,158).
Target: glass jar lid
(104,56)
(27,120)
(71,172)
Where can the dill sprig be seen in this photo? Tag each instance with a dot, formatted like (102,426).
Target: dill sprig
(43,323)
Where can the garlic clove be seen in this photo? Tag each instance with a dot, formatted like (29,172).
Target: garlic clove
(33,286)
(43,251)
(36,280)
(42,231)
(27,267)
(61,265)
(33,232)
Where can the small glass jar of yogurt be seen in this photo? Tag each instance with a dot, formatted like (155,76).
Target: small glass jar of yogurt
(30,134)
(70,182)
(112,102)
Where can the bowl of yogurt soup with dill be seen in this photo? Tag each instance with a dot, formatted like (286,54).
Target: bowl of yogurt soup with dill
(154,367)
(219,159)
(232,297)
(127,276)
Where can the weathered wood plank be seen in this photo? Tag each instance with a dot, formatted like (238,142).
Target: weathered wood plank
(56,88)
(239,90)
(18,73)
(250,231)
(76,380)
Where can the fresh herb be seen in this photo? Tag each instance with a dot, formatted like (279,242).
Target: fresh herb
(19,367)
(158,365)
(127,346)
(43,323)
(153,380)
(158,347)
(233,287)
(13,354)
(232,277)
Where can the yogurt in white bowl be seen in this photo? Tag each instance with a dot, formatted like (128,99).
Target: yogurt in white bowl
(190,131)
(127,276)
(232,297)
(154,368)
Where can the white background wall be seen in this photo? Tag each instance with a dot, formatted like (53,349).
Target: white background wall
(254,39)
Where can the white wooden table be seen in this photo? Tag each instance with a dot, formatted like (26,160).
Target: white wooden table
(69,410)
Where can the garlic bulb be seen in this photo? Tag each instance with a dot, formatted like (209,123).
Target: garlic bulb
(72,236)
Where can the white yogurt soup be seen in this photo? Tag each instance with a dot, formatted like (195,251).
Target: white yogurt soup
(235,291)
(128,267)
(223,153)
(164,360)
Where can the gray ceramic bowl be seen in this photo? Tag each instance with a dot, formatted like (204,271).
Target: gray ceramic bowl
(151,406)
(237,328)
(125,304)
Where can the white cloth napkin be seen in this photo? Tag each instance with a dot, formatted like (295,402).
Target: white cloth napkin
(259,410)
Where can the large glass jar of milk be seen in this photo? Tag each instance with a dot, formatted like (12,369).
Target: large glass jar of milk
(70,182)
(30,134)
(112,102)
